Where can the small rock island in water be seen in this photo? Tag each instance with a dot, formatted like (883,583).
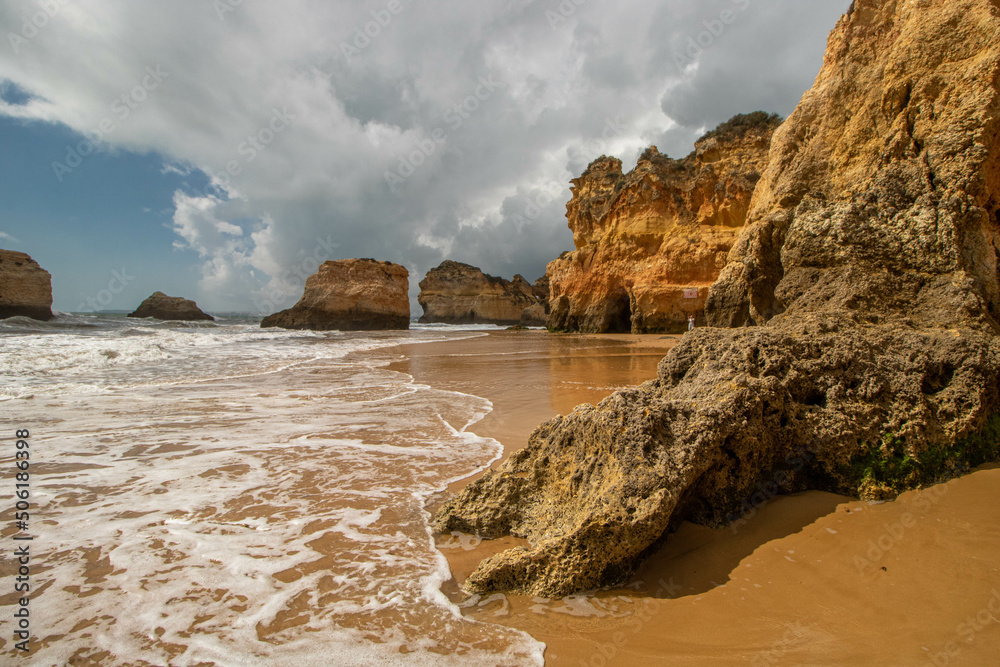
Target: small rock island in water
(159,306)
(25,287)
(350,295)
(456,293)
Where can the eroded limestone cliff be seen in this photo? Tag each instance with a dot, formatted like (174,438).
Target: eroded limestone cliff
(350,295)
(883,188)
(643,238)
(25,287)
(456,293)
(869,265)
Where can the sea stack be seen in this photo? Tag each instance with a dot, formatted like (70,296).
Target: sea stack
(865,289)
(25,287)
(159,306)
(456,293)
(650,243)
(350,295)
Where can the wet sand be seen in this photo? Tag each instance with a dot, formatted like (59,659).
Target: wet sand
(267,518)
(531,376)
(814,579)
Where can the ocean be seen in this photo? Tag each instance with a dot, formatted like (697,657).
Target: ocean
(221,494)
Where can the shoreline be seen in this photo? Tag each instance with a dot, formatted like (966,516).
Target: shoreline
(552,386)
(801,579)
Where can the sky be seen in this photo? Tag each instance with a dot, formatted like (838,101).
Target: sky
(221,150)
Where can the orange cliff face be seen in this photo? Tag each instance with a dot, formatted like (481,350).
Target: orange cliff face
(881,196)
(644,238)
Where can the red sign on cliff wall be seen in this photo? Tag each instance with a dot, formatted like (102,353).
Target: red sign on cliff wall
(690,294)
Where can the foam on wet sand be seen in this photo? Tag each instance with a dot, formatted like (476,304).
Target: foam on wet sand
(235,496)
(813,578)
(252,502)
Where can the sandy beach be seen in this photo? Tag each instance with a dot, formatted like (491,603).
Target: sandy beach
(814,578)
(279,287)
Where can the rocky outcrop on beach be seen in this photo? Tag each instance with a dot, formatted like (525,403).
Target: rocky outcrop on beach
(650,243)
(541,289)
(159,306)
(882,192)
(350,295)
(865,291)
(537,315)
(456,293)
(25,287)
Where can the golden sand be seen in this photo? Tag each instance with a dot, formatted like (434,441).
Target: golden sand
(814,578)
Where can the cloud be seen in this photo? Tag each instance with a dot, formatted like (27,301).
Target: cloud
(222,247)
(341,128)
(180,170)
(196,222)
(7,238)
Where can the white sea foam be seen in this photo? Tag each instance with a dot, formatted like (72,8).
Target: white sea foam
(241,497)
(147,354)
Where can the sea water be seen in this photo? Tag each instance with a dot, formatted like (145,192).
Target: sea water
(219,494)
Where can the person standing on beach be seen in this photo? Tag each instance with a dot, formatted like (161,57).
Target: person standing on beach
(691,322)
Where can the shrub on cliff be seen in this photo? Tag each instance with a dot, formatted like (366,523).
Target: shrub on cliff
(742,123)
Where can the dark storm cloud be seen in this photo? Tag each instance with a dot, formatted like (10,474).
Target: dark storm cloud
(764,57)
(441,133)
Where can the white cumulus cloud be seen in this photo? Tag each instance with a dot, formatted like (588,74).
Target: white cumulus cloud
(430,136)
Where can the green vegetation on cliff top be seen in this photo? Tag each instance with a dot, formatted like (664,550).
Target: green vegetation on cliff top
(742,123)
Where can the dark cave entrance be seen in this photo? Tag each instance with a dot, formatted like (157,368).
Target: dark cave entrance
(620,314)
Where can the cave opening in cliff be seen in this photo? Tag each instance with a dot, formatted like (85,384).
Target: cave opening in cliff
(620,315)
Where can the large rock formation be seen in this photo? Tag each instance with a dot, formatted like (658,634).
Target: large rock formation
(869,264)
(25,287)
(651,242)
(456,293)
(883,188)
(159,306)
(350,295)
